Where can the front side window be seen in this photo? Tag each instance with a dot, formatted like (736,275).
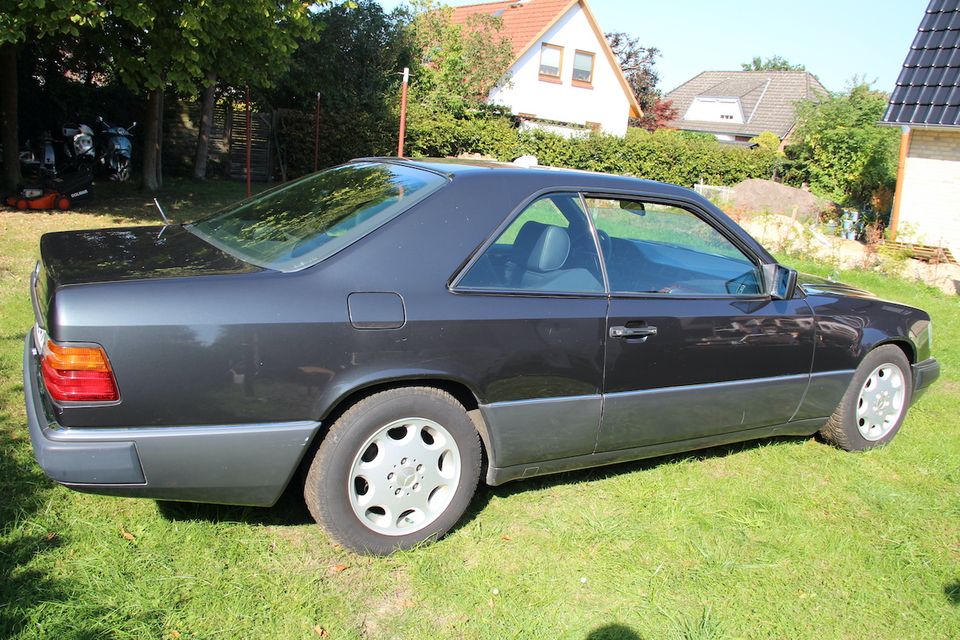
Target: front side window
(657,248)
(300,223)
(583,67)
(551,60)
(547,248)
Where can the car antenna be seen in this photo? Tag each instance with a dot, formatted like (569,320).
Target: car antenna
(166,220)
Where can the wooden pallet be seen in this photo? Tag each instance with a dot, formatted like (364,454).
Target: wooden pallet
(923,252)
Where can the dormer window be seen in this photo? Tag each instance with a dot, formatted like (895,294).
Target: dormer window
(551,61)
(709,109)
(583,68)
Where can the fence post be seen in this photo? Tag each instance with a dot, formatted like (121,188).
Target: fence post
(316,133)
(403,111)
(249,134)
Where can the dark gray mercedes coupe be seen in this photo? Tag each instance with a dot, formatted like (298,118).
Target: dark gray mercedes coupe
(395,328)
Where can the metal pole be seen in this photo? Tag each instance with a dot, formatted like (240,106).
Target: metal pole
(249,126)
(403,111)
(316,133)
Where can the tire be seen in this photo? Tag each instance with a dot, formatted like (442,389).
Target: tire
(858,426)
(122,172)
(397,469)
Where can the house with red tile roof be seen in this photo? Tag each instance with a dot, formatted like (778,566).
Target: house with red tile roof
(564,75)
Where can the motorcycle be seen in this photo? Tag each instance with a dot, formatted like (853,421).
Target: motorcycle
(114,150)
(69,152)
(58,171)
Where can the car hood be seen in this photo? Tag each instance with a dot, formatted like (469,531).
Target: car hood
(132,253)
(816,284)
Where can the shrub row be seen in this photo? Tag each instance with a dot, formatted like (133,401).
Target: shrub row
(665,155)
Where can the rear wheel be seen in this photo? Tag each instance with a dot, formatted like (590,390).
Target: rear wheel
(398,468)
(875,404)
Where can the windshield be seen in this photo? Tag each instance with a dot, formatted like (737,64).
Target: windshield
(299,223)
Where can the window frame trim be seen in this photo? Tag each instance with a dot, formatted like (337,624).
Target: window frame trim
(546,76)
(593,68)
(690,205)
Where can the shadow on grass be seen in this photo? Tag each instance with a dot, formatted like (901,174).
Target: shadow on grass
(290,509)
(952,591)
(613,632)
(599,473)
(24,589)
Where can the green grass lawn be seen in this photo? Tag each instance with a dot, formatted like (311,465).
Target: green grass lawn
(777,539)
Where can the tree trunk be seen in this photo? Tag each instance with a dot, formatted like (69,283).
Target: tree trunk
(207,102)
(8,117)
(151,141)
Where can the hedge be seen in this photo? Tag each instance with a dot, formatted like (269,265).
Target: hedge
(665,155)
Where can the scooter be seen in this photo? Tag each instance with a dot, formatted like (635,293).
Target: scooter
(114,147)
(58,172)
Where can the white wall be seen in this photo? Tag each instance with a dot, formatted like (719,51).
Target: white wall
(930,201)
(606,103)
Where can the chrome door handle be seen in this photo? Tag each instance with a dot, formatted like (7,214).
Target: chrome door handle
(632,332)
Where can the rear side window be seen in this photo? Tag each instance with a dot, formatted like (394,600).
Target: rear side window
(302,222)
(547,248)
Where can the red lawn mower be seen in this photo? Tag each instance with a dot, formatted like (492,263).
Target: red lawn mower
(57,173)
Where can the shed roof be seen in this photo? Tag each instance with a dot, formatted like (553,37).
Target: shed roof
(768,99)
(928,89)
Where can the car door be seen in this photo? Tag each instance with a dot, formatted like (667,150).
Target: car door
(537,304)
(694,348)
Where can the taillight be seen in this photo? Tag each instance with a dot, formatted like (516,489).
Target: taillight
(77,374)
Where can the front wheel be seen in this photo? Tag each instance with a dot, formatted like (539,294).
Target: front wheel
(875,404)
(122,171)
(396,469)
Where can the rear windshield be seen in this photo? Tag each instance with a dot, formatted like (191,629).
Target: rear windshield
(299,223)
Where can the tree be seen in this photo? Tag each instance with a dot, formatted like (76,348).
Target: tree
(355,69)
(248,44)
(637,63)
(186,40)
(459,64)
(840,149)
(775,63)
(39,19)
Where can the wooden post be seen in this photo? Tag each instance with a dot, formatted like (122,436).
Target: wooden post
(316,133)
(249,133)
(898,194)
(403,111)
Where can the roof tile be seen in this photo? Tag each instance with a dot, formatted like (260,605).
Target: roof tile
(522,21)
(767,99)
(928,87)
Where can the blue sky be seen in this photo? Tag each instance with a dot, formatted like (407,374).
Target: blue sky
(834,39)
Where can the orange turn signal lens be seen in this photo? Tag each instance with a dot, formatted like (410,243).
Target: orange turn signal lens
(75,358)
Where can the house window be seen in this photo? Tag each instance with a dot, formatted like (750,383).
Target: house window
(583,67)
(551,61)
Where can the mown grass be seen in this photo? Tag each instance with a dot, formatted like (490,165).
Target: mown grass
(777,539)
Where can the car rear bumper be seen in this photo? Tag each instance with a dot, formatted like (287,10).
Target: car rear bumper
(233,464)
(924,374)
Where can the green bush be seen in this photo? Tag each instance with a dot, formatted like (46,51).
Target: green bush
(665,155)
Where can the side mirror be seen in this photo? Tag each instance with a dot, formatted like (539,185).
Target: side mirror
(781,282)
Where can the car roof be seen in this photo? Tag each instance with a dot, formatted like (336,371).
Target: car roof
(453,167)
